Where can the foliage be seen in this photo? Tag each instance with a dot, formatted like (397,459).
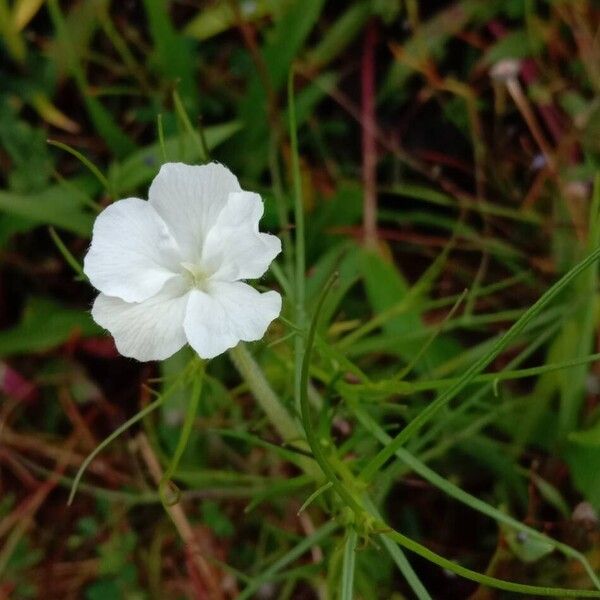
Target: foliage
(432,413)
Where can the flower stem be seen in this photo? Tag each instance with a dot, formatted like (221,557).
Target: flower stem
(282,421)
(165,486)
(299,249)
(313,441)
(298,204)
(267,399)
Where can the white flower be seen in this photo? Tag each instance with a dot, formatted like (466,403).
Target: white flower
(169,269)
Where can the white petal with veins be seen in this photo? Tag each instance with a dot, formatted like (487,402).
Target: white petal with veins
(132,253)
(149,330)
(189,200)
(234,248)
(228,312)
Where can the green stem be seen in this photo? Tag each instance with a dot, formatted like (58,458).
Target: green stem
(398,556)
(509,586)
(267,399)
(161,137)
(87,163)
(405,567)
(66,253)
(187,124)
(347,586)
(184,437)
(311,436)
(285,425)
(298,205)
(407,388)
(282,207)
(299,250)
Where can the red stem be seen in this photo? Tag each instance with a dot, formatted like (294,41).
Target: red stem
(369,125)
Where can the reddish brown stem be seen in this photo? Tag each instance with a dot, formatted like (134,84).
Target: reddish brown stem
(369,127)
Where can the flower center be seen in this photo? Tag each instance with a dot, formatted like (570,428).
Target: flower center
(195,275)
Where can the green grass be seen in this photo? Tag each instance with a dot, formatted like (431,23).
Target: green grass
(422,421)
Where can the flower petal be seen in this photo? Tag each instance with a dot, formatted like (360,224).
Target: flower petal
(132,253)
(217,319)
(234,248)
(149,330)
(189,199)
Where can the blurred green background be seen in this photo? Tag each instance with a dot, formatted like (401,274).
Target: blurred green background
(447,158)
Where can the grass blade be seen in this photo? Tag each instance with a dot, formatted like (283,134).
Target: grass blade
(424,416)
(296,552)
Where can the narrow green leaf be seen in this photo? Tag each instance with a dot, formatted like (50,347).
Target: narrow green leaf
(113,436)
(85,161)
(66,253)
(347,583)
(425,415)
